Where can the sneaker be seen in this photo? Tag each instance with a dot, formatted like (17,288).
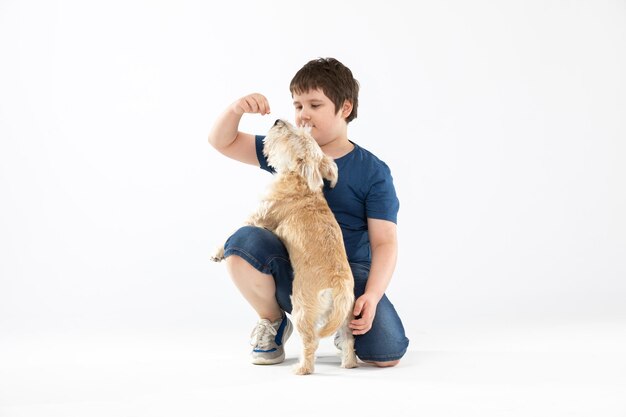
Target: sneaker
(268,340)
(336,341)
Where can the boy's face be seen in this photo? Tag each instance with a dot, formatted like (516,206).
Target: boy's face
(316,110)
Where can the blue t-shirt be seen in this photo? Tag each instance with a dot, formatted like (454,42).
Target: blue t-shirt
(364,190)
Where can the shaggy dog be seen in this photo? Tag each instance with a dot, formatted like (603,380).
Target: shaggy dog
(297,212)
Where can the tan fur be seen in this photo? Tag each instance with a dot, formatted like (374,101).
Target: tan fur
(297,212)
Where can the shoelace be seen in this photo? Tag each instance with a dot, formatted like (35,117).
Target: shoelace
(263,335)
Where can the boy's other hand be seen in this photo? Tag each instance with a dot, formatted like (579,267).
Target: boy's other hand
(252,103)
(364,311)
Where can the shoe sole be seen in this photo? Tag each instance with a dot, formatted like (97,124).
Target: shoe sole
(273,361)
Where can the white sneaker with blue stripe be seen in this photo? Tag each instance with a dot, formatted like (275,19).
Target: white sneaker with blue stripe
(268,341)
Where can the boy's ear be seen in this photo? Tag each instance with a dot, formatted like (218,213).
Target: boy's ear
(346,109)
(328,169)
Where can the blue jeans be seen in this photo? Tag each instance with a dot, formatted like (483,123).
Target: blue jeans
(262,249)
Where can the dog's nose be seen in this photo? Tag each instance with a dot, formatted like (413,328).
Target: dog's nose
(277,122)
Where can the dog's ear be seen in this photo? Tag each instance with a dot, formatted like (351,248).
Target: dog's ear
(328,169)
(310,171)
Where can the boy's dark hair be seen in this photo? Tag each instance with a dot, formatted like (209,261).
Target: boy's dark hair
(333,78)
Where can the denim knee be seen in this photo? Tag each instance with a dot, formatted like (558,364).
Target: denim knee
(257,246)
(267,254)
(386,340)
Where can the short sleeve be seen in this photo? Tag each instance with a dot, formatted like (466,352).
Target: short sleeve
(381,201)
(259,154)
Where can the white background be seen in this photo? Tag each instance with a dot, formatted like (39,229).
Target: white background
(503,123)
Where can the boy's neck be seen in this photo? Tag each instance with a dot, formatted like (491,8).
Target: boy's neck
(338,148)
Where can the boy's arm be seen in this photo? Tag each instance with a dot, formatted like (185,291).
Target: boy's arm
(384,244)
(225,135)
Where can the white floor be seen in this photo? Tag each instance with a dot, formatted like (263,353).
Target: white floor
(558,370)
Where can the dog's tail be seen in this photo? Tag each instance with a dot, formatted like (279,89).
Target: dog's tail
(340,305)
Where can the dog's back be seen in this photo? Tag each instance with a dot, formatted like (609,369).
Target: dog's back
(323,286)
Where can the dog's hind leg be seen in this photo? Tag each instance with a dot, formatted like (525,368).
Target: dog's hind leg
(310,342)
(346,343)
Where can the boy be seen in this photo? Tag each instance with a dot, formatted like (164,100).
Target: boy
(364,202)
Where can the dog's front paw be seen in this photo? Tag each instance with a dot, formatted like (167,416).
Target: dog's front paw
(300,369)
(218,255)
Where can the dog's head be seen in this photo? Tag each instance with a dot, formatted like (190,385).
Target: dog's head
(291,149)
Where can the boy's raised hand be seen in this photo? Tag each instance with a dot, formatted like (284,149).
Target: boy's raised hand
(252,103)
